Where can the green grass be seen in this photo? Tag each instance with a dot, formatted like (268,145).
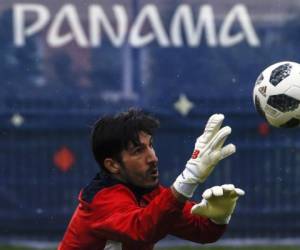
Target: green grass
(14,248)
(235,248)
(188,248)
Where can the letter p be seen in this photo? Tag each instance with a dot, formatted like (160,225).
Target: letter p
(21,31)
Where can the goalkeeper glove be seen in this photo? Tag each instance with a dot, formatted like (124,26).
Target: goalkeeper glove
(218,203)
(207,153)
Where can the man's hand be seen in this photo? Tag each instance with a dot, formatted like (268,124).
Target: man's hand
(218,203)
(207,153)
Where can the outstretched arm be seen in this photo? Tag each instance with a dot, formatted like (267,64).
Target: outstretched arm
(206,222)
(118,216)
(196,228)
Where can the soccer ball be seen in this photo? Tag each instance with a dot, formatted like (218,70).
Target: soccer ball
(276,94)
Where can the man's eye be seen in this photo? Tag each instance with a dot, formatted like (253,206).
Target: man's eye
(137,150)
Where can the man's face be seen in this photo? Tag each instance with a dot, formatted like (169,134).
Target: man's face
(139,163)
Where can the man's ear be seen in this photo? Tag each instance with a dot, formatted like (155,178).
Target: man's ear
(112,165)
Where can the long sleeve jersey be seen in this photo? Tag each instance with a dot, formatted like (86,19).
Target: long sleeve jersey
(113,215)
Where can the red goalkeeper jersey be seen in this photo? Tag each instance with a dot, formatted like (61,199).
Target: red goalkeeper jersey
(112,215)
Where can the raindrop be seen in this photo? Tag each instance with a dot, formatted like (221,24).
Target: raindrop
(39,210)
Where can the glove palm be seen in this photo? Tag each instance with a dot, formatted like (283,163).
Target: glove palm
(218,203)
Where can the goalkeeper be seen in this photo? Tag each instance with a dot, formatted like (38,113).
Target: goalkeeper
(125,207)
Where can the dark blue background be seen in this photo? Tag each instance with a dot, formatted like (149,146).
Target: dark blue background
(37,198)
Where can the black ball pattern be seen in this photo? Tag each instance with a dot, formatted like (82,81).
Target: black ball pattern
(280,73)
(283,103)
(292,123)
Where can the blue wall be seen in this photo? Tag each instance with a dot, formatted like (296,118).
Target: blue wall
(59,102)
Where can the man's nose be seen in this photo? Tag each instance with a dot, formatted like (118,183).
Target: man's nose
(152,156)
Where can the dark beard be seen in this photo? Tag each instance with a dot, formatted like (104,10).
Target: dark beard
(129,183)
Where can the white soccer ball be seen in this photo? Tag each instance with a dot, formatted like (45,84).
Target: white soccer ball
(276,94)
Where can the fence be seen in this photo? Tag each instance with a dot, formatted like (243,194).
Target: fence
(50,97)
(46,162)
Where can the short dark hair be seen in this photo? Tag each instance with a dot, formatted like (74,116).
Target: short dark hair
(112,134)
